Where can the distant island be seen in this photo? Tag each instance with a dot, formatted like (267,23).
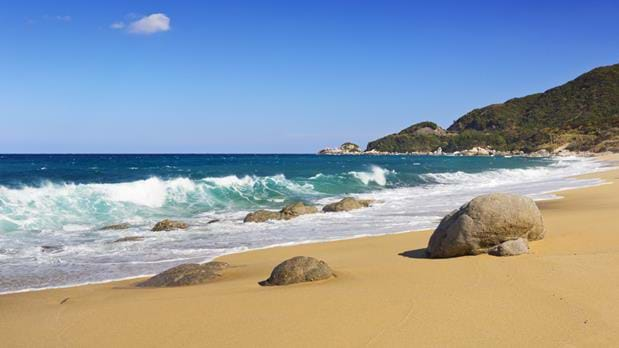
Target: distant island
(581,115)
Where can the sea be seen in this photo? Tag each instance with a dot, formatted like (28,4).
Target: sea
(52,207)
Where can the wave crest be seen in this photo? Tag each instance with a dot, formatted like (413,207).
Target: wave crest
(376,175)
(53,205)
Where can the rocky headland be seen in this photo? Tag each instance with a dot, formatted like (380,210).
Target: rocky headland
(580,117)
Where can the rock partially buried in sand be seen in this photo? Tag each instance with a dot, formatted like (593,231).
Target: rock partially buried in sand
(485,222)
(288,212)
(510,248)
(186,274)
(129,239)
(297,270)
(122,226)
(169,225)
(347,204)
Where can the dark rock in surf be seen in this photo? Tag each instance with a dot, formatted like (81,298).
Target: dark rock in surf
(288,212)
(129,239)
(297,209)
(169,225)
(122,226)
(347,204)
(262,216)
(52,249)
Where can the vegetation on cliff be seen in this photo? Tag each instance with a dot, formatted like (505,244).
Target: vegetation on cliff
(583,113)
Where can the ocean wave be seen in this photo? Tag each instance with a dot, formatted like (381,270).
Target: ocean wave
(71,207)
(560,167)
(68,215)
(376,175)
(488,178)
(57,205)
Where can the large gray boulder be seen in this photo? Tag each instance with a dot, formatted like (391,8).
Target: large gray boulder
(347,204)
(297,270)
(169,225)
(485,222)
(186,274)
(288,212)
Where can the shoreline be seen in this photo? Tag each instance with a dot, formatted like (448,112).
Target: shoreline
(317,241)
(385,293)
(310,242)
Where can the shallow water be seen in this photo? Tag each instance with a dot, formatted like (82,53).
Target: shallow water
(63,200)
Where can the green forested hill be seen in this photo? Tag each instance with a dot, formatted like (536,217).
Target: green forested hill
(583,113)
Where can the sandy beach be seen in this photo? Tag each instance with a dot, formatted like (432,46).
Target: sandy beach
(386,293)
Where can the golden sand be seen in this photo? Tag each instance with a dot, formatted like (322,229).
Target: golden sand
(564,293)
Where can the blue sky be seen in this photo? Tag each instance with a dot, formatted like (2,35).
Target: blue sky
(276,76)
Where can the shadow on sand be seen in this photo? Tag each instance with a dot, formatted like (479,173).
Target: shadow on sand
(416,254)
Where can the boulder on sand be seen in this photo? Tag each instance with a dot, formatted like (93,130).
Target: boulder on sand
(169,225)
(347,204)
(485,222)
(186,274)
(287,213)
(297,270)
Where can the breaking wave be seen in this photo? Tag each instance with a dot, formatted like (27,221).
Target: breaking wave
(55,205)
(67,216)
(376,175)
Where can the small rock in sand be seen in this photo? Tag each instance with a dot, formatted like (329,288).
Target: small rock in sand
(510,248)
(297,270)
(186,274)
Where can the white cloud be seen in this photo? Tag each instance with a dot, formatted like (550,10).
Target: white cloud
(154,23)
(63,18)
(117,25)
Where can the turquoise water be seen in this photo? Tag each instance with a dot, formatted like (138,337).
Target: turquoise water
(62,201)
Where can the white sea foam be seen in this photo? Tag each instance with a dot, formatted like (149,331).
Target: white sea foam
(232,181)
(151,192)
(376,175)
